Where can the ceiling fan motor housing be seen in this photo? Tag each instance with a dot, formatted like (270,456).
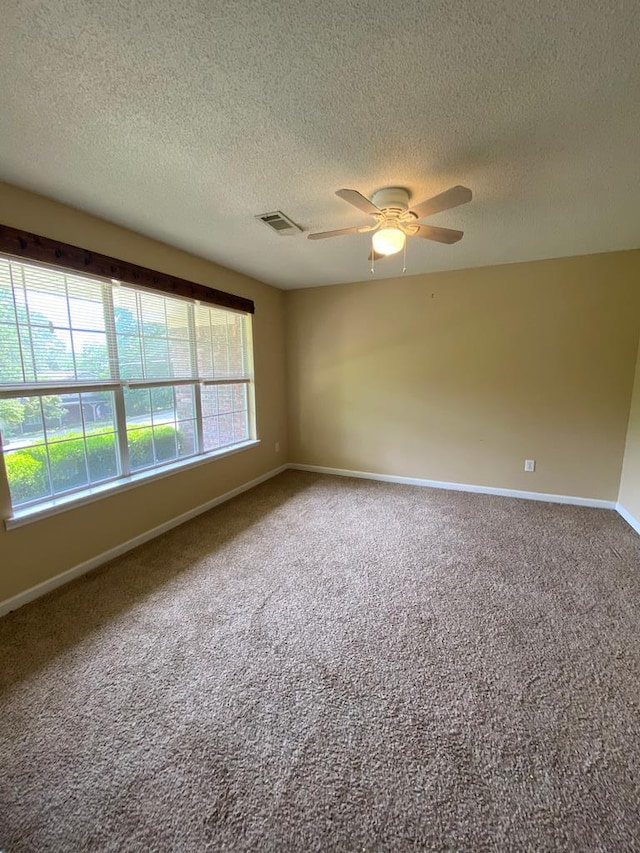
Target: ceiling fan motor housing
(391,198)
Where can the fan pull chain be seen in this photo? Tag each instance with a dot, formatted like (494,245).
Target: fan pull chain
(373,259)
(404,258)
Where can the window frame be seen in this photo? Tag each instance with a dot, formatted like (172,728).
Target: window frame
(126,477)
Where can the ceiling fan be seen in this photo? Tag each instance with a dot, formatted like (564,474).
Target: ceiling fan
(394,221)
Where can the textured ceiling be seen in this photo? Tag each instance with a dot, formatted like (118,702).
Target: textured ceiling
(184,120)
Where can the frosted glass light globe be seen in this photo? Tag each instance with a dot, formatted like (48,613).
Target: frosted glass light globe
(388,241)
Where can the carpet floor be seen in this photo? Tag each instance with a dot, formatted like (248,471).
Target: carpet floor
(326,664)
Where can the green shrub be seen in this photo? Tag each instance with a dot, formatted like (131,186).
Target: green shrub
(68,470)
(27,468)
(27,476)
(102,457)
(141,446)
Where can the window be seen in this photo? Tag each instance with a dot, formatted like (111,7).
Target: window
(101,380)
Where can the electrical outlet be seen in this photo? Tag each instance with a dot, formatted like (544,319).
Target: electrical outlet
(277,447)
(530,465)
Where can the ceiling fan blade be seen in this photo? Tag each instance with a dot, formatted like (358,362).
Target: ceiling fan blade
(444,201)
(322,235)
(358,200)
(441,235)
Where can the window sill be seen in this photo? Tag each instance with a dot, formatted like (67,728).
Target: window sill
(96,493)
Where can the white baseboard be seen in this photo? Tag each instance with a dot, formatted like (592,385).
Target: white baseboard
(461,487)
(631,521)
(59,580)
(43,588)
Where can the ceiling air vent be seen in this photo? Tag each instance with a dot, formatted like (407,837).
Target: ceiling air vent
(279,223)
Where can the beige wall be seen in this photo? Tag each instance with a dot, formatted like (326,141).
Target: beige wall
(630,485)
(32,554)
(452,376)
(460,376)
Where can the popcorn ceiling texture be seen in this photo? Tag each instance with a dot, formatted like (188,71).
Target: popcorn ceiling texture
(327,664)
(184,120)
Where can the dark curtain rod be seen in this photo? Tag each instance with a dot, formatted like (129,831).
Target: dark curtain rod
(25,245)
